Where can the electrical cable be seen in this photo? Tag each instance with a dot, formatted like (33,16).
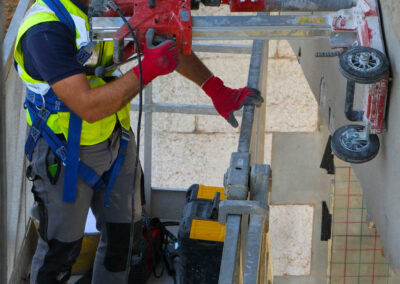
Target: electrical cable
(113,6)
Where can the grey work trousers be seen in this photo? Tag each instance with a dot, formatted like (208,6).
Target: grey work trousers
(62,224)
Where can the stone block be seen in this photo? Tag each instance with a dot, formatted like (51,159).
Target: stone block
(291,106)
(291,229)
(214,124)
(178,123)
(180,160)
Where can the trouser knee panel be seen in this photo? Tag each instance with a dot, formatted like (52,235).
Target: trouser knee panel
(58,261)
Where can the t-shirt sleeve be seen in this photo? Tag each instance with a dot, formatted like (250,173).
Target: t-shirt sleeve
(50,52)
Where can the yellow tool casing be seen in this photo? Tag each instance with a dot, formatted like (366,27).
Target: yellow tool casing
(204,227)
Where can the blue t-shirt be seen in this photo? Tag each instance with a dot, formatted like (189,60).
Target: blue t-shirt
(50,51)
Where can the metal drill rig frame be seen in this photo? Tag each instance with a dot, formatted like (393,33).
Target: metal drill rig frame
(354,30)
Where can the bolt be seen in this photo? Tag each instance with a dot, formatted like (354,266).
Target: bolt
(364,57)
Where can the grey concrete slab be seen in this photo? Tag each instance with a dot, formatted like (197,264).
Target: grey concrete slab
(296,175)
(297,179)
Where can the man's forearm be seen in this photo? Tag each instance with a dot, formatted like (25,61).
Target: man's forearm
(191,67)
(97,103)
(113,96)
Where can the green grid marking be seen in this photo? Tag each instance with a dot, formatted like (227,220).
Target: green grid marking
(359,277)
(350,208)
(382,263)
(359,256)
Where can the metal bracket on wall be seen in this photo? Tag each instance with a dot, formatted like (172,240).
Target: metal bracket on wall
(247,219)
(240,207)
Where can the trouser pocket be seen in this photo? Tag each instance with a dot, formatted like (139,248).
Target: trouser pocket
(53,166)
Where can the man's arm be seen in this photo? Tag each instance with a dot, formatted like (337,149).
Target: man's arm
(97,103)
(225,99)
(191,67)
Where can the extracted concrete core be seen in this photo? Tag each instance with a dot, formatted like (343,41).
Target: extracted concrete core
(291,228)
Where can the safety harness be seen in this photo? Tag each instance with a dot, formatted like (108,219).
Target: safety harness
(40,107)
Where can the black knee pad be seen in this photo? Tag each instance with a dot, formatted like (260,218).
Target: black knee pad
(118,235)
(58,261)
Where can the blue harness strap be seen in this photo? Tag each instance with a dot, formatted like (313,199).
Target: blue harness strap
(39,128)
(111,175)
(51,103)
(72,161)
(85,52)
(62,14)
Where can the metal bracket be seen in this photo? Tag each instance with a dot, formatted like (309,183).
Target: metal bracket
(259,182)
(236,179)
(240,207)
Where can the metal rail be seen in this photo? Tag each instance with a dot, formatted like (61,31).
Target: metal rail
(245,257)
(260,27)
(3,183)
(230,256)
(309,5)
(253,82)
(178,108)
(8,43)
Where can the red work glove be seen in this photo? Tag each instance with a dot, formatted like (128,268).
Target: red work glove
(158,60)
(227,100)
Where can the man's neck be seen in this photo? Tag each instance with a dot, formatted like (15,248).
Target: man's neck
(82,4)
(85,2)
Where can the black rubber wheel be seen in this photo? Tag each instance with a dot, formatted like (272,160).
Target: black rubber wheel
(363,65)
(348,146)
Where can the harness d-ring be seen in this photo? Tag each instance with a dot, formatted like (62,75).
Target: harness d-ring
(43,104)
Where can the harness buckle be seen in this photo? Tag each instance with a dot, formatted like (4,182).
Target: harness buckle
(43,114)
(35,133)
(62,153)
(125,135)
(43,104)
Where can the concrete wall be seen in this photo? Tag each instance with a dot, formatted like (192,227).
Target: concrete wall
(379,178)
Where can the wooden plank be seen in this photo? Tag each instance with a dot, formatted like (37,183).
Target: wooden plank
(22,265)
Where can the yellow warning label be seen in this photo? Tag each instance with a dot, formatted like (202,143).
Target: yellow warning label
(207,230)
(311,20)
(208,192)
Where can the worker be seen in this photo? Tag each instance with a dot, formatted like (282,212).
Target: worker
(80,144)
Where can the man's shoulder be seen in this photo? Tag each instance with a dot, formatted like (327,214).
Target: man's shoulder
(49,50)
(49,29)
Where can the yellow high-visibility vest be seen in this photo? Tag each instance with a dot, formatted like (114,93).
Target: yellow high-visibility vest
(92,133)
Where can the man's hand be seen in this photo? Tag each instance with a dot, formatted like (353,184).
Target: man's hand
(227,100)
(158,60)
